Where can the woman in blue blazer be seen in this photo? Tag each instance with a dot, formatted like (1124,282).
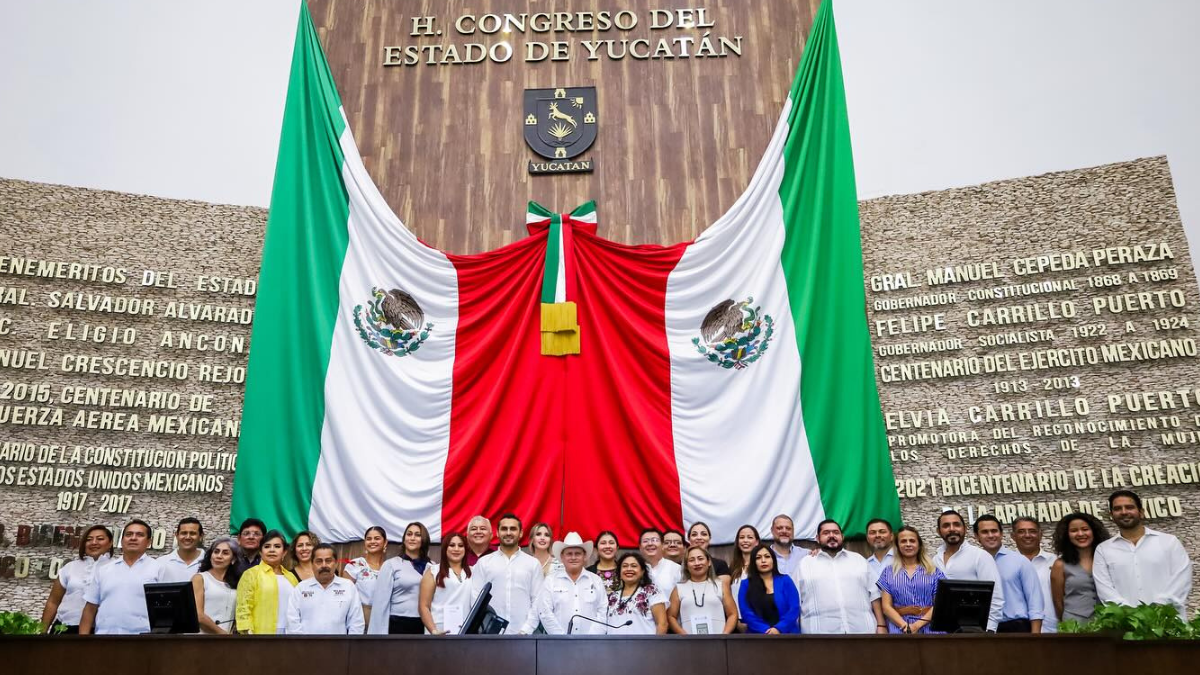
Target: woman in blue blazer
(769,601)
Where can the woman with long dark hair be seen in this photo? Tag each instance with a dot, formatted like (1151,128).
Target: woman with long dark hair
(364,570)
(739,564)
(636,607)
(446,588)
(1071,585)
(607,548)
(64,607)
(769,601)
(299,556)
(394,606)
(215,587)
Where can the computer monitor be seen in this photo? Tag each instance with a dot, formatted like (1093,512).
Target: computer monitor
(482,619)
(961,606)
(171,608)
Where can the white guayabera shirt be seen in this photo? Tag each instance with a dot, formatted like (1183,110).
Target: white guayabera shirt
(562,598)
(515,581)
(1155,570)
(836,592)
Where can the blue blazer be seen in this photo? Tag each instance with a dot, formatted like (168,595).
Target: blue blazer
(787,601)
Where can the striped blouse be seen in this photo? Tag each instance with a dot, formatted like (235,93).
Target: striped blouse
(916,590)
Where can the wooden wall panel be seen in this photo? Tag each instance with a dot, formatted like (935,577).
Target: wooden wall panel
(678,139)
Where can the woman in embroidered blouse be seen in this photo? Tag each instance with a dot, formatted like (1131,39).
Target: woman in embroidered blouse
(364,570)
(541,538)
(607,549)
(769,600)
(636,607)
(447,585)
(65,605)
(908,585)
(395,600)
(699,603)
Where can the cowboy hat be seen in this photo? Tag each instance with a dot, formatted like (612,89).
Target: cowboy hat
(572,540)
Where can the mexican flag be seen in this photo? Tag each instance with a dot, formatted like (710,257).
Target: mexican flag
(726,380)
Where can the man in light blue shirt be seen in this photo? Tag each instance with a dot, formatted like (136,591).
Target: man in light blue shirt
(787,554)
(881,540)
(1023,602)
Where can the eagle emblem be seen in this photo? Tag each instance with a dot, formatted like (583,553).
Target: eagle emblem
(392,322)
(734,334)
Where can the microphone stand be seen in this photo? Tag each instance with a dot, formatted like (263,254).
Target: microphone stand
(571,623)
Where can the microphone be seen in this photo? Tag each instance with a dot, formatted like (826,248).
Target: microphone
(571,623)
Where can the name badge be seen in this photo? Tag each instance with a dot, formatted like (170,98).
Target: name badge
(452,618)
(700,625)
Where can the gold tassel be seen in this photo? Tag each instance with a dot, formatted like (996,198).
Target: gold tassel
(560,329)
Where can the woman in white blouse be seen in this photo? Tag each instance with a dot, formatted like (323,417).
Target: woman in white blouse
(64,607)
(636,607)
(699,603)
(215,588)
(446,589)
(739,563)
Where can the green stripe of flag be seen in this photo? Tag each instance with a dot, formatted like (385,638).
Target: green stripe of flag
(550,273)
(822,260)
(297,301)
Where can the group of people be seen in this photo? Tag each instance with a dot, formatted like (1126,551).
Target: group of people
(259,583)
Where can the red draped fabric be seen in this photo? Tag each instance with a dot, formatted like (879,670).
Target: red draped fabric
(582,442)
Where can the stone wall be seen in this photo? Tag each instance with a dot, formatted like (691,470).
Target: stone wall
(185,456)
(988,442)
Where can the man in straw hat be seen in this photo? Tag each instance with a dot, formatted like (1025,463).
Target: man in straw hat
(573,600)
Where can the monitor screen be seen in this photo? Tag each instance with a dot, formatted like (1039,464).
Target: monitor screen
(482,619)
(171,608)
(961,606)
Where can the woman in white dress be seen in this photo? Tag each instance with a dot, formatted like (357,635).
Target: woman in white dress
(636,607)
(364,570)
(64,607)
(447,590)
(541,538)
(215,587)
(699,603)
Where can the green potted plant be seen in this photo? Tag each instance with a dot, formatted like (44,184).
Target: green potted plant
(1144,622)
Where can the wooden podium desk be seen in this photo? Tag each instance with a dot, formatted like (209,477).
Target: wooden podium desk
(580,655)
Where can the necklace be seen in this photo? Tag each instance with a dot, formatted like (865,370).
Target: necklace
(623,601)
(700,602)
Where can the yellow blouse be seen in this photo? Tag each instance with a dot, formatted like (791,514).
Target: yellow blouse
(258,600)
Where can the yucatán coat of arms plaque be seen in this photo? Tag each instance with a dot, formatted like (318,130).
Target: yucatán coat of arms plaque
(560,125)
